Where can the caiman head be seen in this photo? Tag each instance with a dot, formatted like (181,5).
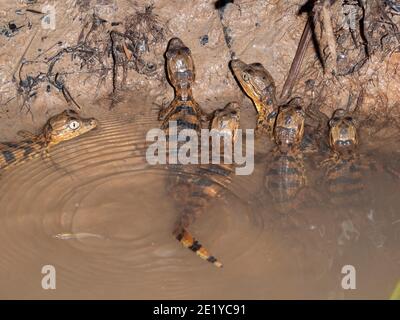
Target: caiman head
(227,120)
(343,136)
(66,126)
(289,127)
(180,65)
(258,84)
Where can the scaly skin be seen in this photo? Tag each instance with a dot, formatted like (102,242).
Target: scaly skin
(285,180)
(183,110)
(285,176)
(62,127)
(192,186)
(289,128)
(259,85)
(343,138)
(346,184)
(344,170)
(194,190)
(181,74)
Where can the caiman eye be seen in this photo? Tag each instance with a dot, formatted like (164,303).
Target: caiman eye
(333,121)
(73,125)
(245,76)
(298,108)
(150,66)
(349,118)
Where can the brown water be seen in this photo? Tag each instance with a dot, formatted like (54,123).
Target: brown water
(100,188)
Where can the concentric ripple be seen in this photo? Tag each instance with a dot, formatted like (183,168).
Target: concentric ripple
(99,213)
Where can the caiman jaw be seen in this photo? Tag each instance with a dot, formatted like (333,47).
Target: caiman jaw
(243,77)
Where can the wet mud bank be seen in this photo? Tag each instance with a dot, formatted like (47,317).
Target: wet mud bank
(88,54)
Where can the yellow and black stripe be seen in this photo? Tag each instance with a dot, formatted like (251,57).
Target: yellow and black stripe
(285,177)
(185,113)
(193,190)
(16,153)
(191,186)
(189,242)
(345,181)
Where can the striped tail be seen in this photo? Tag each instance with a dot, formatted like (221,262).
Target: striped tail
(187,240)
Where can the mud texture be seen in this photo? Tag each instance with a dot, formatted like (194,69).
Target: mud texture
(86,54)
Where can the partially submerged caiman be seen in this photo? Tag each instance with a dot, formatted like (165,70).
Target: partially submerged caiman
(285,124)
(285,178)
(61,127)
(193,186)
(259,85)
(347,182)
(345,169)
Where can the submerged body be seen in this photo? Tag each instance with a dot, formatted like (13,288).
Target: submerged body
(285,178)
(347,178)
(193,187)
(62,127)
(344,171)
(345,183)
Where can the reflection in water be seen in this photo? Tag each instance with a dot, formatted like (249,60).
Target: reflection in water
(107,189)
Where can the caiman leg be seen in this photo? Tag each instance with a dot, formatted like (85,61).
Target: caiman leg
(266,121)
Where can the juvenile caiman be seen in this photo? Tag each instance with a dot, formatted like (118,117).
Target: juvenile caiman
(285,179)
(259,85)
(345,169)
(193,186)
(61,127)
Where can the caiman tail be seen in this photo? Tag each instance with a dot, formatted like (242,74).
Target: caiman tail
(190,185)
(195,192)
(188,241)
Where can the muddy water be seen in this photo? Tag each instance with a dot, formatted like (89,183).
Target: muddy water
(115,220)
